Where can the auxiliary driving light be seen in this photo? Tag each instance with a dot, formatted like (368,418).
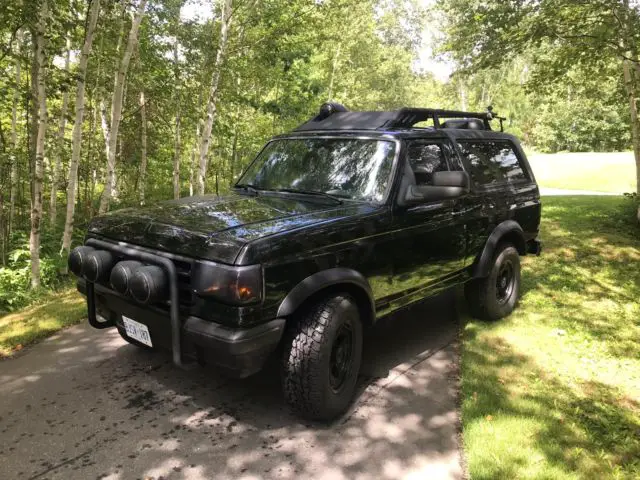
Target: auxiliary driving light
(97,265)
(122,274)
(149,284)
(77,257)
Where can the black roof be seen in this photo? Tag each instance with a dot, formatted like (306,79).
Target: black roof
(336,117)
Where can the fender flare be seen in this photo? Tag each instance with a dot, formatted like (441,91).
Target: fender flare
(321,280)
(482,265)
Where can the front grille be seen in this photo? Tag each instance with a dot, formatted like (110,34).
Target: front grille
(185,292)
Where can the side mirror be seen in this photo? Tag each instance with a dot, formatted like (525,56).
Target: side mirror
(446,185)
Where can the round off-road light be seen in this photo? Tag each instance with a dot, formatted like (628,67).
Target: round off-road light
(122,274)
(77,257)
(149,284)
(97,266)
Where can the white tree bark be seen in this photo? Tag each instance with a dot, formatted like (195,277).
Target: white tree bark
(14,142)
(143,154)
(176,142)
(176,158)
(55,173)
(213,94)
(334,68)
(38,173)
(116,107)
(77,126)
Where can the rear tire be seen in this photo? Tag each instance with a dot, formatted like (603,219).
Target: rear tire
(322,358)
(495,296)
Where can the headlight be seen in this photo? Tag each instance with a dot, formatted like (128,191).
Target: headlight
(234,285)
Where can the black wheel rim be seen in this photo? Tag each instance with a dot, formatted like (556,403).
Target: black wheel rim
(341,357)
(505,282)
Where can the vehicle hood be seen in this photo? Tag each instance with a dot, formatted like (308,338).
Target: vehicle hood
(216,228)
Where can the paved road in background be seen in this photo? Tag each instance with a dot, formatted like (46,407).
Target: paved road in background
(86,405)
(561,191)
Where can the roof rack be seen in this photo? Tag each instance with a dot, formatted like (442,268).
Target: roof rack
(334,116)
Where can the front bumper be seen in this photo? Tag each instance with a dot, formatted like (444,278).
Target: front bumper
(239,352)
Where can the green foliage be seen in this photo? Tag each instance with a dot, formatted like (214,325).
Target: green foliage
(553,389)
(15,291)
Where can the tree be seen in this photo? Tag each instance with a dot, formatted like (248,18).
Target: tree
(91,21)
(58,152)
(116,106)
(213,94)
(40,102)
(564,34)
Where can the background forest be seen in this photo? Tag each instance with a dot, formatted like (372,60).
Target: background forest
(106,104)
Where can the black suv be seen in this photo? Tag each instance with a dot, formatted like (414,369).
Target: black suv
(347,219)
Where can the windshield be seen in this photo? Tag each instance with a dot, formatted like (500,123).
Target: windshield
(357,169)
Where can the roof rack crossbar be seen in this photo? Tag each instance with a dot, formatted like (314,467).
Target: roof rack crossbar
(408,117)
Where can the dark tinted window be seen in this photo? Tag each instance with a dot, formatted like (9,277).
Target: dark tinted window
(359,169)
(426,158)
(492,162)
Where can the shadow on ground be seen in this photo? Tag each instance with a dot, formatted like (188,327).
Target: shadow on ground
(85,405)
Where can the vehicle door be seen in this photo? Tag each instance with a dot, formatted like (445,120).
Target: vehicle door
(429,238)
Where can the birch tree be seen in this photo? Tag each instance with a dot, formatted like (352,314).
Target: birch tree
(143,146)
(176,142)
(38,163)
(210,116)
(59,145)
(13,182)
(76,137)
(116,106)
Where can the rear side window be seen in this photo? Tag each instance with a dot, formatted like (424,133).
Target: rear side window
(493,162)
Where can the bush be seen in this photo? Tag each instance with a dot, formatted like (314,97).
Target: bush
(15,284)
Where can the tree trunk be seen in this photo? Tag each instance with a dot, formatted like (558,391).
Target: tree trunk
(14,143)
(41,99)
(116,107)
(55,173)
(176,158)
(631,87)
(334,68)
(176,143)
(143,142)
(76,136)
(213,94)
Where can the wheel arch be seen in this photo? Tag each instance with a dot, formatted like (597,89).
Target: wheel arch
(326,282)
(508,231)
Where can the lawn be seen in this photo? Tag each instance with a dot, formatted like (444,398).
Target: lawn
(28,325)
(553,391)
(600,172)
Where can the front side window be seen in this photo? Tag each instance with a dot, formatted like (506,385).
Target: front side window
(492,162)
(426,159)
(357,169)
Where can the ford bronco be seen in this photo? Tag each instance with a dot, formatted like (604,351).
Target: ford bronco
(347,219)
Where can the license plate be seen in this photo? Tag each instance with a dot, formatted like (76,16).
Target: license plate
(137,331)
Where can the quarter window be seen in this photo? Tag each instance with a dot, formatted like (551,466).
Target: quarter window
(492,162)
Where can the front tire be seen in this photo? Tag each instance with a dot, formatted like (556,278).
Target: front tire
(495,296)
(322,359)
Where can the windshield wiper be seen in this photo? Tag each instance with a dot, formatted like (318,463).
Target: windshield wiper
(310,192)
(247,187)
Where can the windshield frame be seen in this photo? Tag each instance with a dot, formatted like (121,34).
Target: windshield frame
(382,137)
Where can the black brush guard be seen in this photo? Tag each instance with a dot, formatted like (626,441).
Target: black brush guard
(169,268)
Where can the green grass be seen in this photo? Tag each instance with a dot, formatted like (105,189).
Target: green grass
(599,172)
(553,391)
(55,311)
